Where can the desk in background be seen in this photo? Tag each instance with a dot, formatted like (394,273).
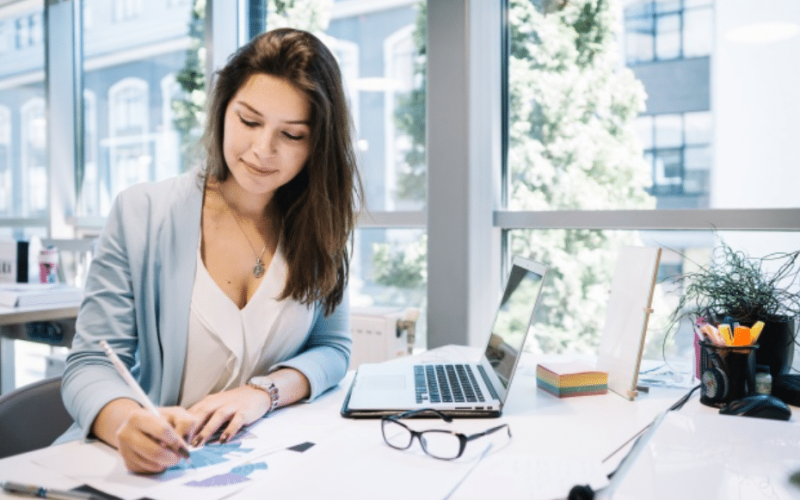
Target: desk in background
(52,325)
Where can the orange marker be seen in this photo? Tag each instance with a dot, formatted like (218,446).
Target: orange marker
(725,331)
(755,331)
(741,335)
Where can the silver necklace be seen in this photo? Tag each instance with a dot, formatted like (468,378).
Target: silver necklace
(258,269)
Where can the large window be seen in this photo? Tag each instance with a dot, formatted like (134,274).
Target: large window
(131,48)
(378,47)
(589,168)
(23,120)
(595,153)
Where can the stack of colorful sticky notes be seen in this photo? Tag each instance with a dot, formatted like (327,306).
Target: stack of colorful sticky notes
(572,378)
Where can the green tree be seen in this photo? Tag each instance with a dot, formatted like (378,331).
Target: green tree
(572,147)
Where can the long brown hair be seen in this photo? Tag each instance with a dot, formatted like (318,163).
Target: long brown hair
(318,208)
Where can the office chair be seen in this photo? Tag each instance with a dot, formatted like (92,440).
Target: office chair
(32,417)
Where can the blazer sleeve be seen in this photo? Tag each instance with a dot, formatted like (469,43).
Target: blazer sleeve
(325,356)
(107,312)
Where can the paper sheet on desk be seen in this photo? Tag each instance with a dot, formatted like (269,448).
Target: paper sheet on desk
(216,470)
(356,464)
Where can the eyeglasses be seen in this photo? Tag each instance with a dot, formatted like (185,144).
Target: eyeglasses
(438,443)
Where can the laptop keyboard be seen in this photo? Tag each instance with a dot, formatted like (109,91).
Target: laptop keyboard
(446,384)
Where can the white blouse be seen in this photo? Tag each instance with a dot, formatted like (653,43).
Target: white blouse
(227,345)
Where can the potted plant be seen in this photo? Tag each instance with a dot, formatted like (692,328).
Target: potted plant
(747,289)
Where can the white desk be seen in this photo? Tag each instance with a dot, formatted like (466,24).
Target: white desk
(590,427)
(51,325)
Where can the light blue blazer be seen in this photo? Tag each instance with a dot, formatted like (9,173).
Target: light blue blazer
(137,298)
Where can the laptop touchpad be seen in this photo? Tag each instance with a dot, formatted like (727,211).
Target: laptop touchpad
(383,383)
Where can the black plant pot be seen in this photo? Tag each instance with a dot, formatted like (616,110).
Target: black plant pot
(776,346)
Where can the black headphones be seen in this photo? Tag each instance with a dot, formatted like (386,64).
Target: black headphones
(714,380)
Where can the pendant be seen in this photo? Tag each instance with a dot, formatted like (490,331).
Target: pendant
(258,270)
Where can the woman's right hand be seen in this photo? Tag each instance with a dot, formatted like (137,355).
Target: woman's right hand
(150,444)
(147,443)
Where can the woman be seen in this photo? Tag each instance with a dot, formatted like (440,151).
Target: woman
(226,295)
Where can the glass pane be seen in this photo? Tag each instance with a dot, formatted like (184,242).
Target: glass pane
(669,131)
(575,295)
(560,130)
(23,119)
(381,54)
(688,4)
(644,130)
(638,8)
(668,36)
(638,46)
(697,165)
(698,127)
(380,51)
(138,119)
(390,269)
(698,32)
(668,171)
(665,6)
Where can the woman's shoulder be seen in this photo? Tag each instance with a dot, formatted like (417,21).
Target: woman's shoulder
(158,195)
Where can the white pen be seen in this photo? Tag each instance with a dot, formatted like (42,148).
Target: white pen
(40,492)
(135,387)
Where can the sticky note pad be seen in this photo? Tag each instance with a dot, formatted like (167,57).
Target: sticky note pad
(566,379)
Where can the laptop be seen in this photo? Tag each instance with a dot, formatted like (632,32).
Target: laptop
(477,389)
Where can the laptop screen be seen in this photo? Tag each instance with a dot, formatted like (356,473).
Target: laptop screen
(513,319)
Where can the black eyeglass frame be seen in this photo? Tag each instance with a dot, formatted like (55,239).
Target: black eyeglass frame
(463,439)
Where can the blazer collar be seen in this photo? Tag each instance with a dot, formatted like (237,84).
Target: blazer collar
(179,240)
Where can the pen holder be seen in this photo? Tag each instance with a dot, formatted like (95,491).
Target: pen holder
(727,373)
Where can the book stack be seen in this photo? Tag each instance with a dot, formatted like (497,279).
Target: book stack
(573,378)
(35,294)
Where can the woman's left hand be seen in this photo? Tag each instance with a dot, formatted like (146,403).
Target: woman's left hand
(236,407)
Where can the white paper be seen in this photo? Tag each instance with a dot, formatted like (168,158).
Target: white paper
(215,471)
(355,463)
